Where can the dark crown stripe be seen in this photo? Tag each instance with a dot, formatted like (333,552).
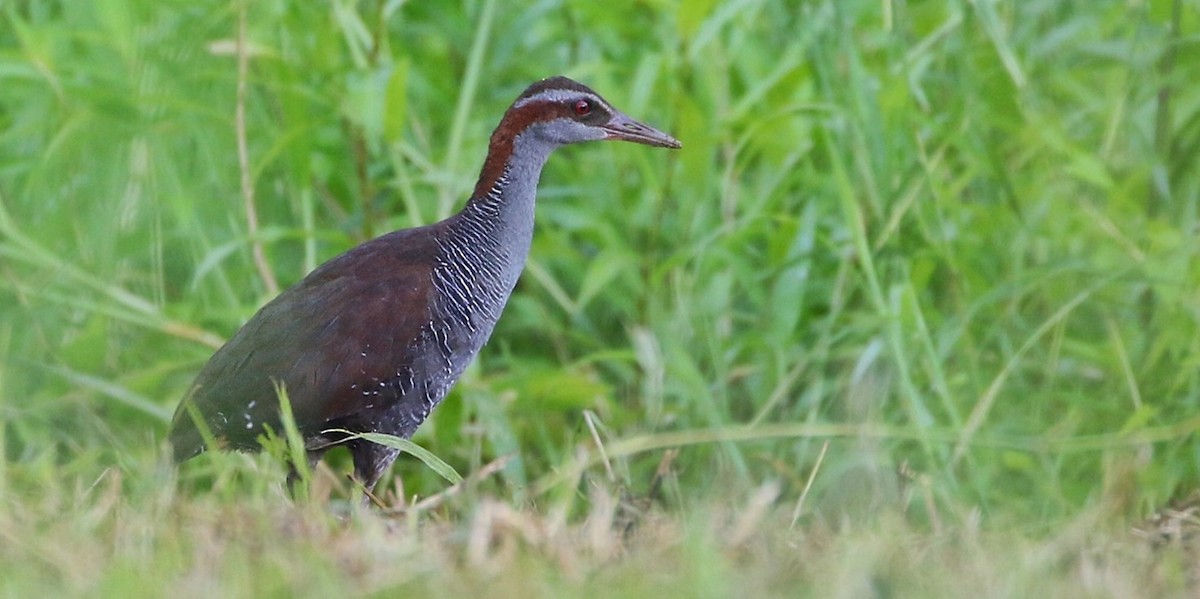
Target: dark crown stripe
(558,82)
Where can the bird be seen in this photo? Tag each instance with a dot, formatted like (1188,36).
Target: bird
(372,340)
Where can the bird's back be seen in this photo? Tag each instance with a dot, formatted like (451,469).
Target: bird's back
(340,343)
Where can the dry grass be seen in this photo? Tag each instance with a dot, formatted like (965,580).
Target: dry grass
(241,536)
(104,541)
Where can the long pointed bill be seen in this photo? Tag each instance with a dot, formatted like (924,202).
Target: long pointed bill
(624,128)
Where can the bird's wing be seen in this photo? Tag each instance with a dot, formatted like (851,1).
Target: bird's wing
(346,325)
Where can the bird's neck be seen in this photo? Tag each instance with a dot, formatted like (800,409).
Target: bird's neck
(505,195)
(496,226)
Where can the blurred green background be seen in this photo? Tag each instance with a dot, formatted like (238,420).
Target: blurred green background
(957,240)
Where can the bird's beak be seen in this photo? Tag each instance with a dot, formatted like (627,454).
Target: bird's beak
(620,126)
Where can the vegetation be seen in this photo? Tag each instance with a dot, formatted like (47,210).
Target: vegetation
(916,310)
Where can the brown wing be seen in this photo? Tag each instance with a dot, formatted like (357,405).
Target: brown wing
(348,324)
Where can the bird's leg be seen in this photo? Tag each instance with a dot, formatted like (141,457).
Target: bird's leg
(294,480)
(368,496)
(371,461)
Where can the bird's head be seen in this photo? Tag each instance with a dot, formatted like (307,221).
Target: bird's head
(563,111)
(554,112)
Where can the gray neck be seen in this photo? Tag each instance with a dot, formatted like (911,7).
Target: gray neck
(486,244)
(502,219)
(505,212)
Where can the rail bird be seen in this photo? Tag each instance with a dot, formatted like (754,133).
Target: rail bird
(372,340)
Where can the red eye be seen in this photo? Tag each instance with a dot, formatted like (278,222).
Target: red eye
(583,107)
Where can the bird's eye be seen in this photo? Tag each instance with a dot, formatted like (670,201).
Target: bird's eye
(583,107)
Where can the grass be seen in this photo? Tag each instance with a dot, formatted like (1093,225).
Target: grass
(251,545)
(914,311)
